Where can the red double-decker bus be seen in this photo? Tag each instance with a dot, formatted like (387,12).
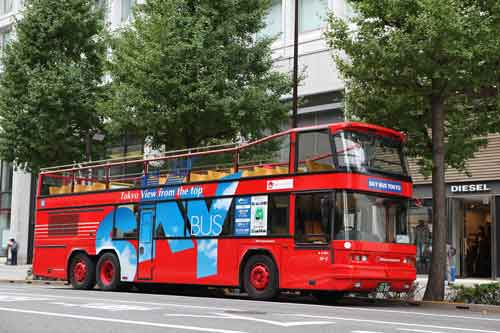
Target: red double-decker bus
(316,209)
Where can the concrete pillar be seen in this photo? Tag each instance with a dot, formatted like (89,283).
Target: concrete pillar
(20,212)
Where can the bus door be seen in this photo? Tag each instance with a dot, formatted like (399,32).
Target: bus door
(312,250)
(146,227)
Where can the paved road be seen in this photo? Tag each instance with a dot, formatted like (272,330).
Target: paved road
(52,309)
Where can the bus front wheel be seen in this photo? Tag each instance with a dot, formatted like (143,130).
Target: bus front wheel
(82,272)
(108,272)
(260,277)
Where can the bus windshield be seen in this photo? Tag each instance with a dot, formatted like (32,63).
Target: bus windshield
(364,152)
(373,218)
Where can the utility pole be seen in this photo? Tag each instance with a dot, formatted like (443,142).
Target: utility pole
(295,107)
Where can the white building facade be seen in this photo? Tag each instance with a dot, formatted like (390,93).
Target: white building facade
(321,88)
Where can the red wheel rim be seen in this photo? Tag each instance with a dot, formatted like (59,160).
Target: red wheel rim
(80,271)
(259,276)
(107,272)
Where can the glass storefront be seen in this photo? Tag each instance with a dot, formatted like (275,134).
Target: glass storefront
(471,228)
(420,220)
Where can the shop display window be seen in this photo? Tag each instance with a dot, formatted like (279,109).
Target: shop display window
(420,217)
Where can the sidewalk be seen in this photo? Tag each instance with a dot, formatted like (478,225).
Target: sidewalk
(422,284)
(13,273)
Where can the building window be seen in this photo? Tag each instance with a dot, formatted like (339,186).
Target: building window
(104,6)
(5,37)
(5,7)
(5,204)
(312,14)
(273,20)
(127,6)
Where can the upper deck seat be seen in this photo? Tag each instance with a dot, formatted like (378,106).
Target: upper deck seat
(315,166)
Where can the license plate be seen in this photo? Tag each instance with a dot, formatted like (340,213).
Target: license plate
(383,287)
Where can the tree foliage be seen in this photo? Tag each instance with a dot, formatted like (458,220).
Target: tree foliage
(51,82)
(403,53)
(430,69)
(190,72)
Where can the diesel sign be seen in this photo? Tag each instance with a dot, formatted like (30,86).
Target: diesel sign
(470,188)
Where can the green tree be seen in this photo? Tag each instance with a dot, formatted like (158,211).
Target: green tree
(190,73)
(51,82)
(431,69)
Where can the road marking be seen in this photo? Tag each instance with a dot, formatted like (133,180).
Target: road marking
(193,316)
(107,306)
(273,322)
(412,330)
(394,323)
(53,297)
(413,313)
(15,298)
(365,332)
(121,321)
(238,317)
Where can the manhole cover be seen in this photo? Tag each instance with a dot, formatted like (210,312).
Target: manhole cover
(249,312)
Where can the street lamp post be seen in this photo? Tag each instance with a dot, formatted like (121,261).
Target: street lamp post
(295,106)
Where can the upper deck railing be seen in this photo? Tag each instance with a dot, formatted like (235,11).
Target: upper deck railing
(272,155)
(136,158)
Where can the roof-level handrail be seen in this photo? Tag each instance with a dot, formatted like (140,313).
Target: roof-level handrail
(215,149)
(133,158)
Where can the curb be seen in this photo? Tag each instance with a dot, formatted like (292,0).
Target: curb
(482,308)
(35,282)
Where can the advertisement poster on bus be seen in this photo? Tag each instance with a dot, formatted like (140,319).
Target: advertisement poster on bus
(258,216)
(242,216)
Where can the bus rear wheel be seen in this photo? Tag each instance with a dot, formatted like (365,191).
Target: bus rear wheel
(108,272)
(260,277)
(82,272)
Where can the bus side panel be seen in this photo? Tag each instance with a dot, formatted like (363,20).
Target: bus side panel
(50,262)
(59,232)
(177,261)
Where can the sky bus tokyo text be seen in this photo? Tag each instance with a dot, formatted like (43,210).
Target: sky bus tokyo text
(316,209)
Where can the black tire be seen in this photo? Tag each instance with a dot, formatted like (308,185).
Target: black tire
(267,290)
(329,297)
(82,272)
(108,272)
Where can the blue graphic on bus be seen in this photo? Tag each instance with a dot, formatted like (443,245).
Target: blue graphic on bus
(127,254)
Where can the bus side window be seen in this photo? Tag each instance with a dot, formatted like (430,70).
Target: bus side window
(314,152)
(313,218)
(279,215)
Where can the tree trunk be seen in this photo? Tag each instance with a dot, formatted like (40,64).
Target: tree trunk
(435,285)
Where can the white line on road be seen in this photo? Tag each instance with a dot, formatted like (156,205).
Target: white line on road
(273,322)
(121,321)
(365,332)
(237,317)
(415,313)
(418,331)
(123,301)
(394,323)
